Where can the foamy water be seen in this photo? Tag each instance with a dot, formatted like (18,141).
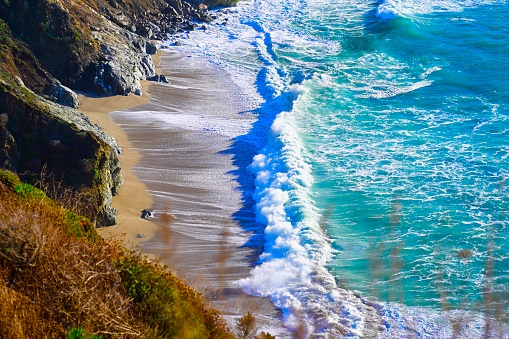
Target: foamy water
(381,160)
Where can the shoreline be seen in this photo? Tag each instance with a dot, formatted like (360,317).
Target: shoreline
(185,175)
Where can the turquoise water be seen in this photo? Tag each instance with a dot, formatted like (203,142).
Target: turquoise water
(382,159)
(410,154)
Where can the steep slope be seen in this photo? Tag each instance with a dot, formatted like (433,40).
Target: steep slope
(58,277)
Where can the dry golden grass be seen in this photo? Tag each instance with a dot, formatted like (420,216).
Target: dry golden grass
(57,274)
(72,281)
(19,317)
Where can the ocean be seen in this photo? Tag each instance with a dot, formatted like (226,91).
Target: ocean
(376,163)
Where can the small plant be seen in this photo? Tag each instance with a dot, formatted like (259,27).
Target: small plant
(81,227)
(246,326)
(265,335)
(79,333)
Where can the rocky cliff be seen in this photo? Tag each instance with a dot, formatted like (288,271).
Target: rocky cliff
(48,49)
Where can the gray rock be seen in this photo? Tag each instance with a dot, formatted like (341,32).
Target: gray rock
(147,214)
(64,96)
(125,62)
(154,27)
(150,47)
(162,78)
(145,31)
(108,216)
(173,12)
(159,78)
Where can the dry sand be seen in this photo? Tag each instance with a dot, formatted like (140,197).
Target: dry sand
(133,196)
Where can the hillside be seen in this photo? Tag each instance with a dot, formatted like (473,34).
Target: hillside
(58,277)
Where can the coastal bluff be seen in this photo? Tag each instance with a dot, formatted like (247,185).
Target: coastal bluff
(48,50)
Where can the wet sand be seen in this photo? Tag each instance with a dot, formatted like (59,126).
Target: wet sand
(177,143)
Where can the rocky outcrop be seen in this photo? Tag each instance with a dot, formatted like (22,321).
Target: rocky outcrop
(97,45)
(40,136)
(125,61)
(100,171)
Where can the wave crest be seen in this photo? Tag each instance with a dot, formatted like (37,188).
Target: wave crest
(391,9)
(291,270)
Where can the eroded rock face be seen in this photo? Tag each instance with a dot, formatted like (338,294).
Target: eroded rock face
(104,177)
(40,136)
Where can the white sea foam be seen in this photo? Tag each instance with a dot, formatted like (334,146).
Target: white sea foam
(291,270)
(391,9)
(392,91)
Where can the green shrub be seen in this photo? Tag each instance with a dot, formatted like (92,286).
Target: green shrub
(28,191)
(81,227)
(151,294)
(79,333)
(171,308)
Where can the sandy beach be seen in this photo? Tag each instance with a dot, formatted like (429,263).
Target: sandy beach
(187,175)
(133,195)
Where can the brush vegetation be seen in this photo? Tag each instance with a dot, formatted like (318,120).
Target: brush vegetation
(60,279)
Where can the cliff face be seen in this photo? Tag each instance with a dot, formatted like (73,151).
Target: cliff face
(95,44)
(50,46)
(39,136)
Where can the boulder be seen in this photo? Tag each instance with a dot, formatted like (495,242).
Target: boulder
(147,214)
(150,48)
(162,78)
(108,216)
(159,78)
